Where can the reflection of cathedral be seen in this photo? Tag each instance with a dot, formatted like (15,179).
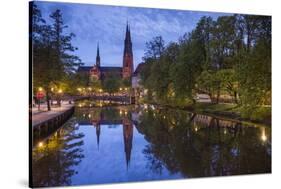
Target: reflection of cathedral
(98,134)
(127,135)
(128,139)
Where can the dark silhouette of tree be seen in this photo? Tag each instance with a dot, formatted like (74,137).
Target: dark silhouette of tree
(54,163)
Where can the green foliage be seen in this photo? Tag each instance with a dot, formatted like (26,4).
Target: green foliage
(253,68)
(126,82)
(95,84)
(111,83)
(225,58)
(53,59)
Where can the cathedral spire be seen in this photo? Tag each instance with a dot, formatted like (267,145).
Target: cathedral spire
(98,56)
(128,35)
(128,65)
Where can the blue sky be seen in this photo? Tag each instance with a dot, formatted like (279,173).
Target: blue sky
(107,24)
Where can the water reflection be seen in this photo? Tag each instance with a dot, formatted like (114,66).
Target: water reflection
(198,145)
(54,159)
(107,143)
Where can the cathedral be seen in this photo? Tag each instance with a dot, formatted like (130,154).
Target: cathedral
(101,72)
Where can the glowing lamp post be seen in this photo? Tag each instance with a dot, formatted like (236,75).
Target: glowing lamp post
(39,95)
(60,94)
(100,91)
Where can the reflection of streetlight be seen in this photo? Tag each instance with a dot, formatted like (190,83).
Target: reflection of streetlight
(120,112)
(263,136)
(40,89)
(40,144)
(120,89)
(59,91)
(145,106)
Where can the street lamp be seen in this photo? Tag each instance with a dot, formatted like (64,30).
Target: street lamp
(90,90)
(39,95)
(60,92)
(40,89)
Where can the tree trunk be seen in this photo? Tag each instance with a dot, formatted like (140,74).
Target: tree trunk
(235,97)
(48,100)
(218,95)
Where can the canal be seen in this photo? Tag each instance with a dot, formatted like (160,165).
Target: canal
(107,142)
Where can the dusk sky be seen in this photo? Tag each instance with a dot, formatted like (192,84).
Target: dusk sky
(107,24)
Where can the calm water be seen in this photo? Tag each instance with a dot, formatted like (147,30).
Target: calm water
(117,143)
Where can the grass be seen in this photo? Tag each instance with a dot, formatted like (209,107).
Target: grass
(258,115)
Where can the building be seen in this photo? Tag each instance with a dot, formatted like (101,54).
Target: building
(101,72)
(136,85)
(136,76)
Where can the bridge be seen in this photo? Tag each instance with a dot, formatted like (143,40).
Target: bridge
(126,99)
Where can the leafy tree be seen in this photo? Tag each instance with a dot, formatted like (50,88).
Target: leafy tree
(111,83)
(126,82)
(95,84)
(154,48)
(53,60)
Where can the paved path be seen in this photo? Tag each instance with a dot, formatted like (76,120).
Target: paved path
(38,117)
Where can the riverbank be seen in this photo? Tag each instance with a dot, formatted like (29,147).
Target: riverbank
(233,111)
(227,111)
(45,123)
(43,116)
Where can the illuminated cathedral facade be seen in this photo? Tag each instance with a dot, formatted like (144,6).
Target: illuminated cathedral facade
(101,72)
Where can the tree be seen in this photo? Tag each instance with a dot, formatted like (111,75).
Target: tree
(228,56)
(111,83)
(95,84)
(154,48)
(253,69)
(53,60)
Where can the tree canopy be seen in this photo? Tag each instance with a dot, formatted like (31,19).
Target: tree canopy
(229,56)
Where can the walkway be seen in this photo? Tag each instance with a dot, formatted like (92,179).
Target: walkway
(43,115)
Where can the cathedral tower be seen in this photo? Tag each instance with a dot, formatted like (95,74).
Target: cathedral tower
(95,71)
(128,64)
(98,57)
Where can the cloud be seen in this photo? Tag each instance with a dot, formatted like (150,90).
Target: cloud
(107,25)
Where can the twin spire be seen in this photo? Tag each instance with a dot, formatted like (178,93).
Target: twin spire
(127,48)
